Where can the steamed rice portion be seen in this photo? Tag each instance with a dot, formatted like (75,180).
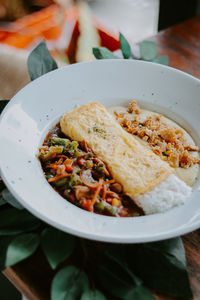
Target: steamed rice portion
(170,193)
(176,189)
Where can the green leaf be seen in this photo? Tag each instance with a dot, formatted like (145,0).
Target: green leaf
(125,46)
(21,247)
(14,221)
(2,201)
(69,284)
(92,295)
(163,60)
(40,61)
(8,197)
(103,53)
(3,104)
(4,242)
(148,50)
(162,266)
(115,276)
(57,245)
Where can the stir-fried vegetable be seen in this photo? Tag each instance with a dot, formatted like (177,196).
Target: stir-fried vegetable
(50,152)
(58,141)
(79,176)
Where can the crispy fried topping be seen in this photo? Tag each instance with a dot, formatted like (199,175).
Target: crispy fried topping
(165,140)
(133,107)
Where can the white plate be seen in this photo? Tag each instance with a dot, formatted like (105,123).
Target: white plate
(32,112)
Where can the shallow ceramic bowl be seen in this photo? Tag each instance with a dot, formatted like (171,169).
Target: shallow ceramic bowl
(37,107)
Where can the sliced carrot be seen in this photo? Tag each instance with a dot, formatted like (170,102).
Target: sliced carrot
(59,161)
(109,181)
(52,166)
(58,177)
(106,172)
(61,155)
(97,191)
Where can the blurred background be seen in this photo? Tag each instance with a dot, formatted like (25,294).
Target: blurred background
(72,27)
(114,12)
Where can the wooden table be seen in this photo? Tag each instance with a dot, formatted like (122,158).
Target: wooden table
(182,44)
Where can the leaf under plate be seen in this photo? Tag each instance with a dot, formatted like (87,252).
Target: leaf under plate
(116,278)
(2,201)
(92,295)
(4,242)
(56,245)
(162,266)
(21,247)
(69,284)
(14,221)
(8,197)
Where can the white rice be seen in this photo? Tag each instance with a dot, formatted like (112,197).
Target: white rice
(169,193)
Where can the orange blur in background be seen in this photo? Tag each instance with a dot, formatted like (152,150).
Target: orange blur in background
(50,24)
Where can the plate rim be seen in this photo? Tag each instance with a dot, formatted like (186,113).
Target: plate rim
(174,232)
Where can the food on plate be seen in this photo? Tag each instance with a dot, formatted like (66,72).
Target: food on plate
(81,177)
(164,137)
(137,168)
(144,176)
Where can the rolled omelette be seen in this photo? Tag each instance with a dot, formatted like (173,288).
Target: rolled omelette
(130,163)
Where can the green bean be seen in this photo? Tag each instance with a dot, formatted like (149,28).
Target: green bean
(62,183)
(71,148)
(99,207)
(74,180)
(58,141)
